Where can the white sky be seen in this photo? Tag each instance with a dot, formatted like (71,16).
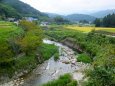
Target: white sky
(71,6)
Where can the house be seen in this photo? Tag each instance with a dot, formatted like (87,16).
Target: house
(11,19)
(30,19)
(44,23)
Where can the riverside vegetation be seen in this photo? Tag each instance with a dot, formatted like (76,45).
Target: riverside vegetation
(100,49)
(64,80)
(19,46)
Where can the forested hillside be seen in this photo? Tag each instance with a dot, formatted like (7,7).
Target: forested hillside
(13,8)
(107,21)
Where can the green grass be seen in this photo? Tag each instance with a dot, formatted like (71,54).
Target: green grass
(84,58)
(63,80)
(8,30)
(47,51)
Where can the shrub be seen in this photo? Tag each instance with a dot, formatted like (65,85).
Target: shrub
(84,58)
(99,76)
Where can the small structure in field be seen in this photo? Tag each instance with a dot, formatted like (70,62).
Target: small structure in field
(44,23)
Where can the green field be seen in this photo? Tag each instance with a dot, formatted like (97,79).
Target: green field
(8,30)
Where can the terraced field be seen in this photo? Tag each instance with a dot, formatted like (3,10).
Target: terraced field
(8,29)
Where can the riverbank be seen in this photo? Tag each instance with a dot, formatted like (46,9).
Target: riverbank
(25,65)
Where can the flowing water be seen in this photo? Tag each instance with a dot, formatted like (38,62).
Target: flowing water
(51,69)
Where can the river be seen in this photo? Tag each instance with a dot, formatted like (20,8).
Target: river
(51,69)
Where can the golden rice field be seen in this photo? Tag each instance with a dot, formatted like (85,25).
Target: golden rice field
(89,29)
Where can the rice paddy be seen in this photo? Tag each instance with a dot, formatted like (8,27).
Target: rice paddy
(89,29)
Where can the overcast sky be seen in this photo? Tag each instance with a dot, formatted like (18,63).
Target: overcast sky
(71,6)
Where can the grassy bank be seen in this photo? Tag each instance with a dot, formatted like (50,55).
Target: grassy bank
(64,80)
(47,51)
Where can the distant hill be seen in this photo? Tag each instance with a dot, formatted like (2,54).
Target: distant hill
(102,14)
(20,8)
(52,15)
(79,17)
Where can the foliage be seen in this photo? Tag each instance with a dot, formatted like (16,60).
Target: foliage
(100,77)
(33,38)
(64,80)
(16,66)
(84,58)
(5,54)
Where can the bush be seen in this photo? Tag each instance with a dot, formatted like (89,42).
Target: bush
(99,76)
(84,58)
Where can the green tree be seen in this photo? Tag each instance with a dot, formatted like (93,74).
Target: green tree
(97,22)
(27,25)
(5,53)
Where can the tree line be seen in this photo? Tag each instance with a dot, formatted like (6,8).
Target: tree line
(107,21)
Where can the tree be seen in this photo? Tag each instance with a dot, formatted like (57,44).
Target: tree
(97,22)
(27,25)
(31,41)
(60,20)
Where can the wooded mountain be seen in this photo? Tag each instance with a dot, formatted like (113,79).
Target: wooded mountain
(18,7)
(73,17)
(103,13)
(52,15)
